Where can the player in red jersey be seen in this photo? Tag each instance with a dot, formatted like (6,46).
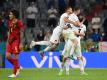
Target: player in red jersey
(15,27)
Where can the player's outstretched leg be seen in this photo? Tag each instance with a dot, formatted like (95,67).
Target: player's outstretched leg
(41,54)
(33,43)
(48,48)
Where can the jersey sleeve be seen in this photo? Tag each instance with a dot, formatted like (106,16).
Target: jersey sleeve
(65,15)
(73,17)
(76,19)
(83,28)
(21,25)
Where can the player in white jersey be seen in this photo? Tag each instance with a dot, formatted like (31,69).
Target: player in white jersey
(77,54)
(78,47)
(54,40)
(77,51)
(68,36)
(56,32)
(69,42)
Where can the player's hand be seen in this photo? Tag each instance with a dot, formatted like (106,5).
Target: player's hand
(82,34)
(81,37)
(21,47)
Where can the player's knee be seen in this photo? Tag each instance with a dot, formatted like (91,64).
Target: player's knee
(16,56)
(7,55)
(54,45)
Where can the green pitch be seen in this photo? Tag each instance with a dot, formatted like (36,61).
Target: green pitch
(52,74)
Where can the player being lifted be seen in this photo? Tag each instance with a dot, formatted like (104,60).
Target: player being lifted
(54,40)
(14,41)
(70,45)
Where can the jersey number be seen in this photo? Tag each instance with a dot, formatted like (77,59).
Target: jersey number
(79,30)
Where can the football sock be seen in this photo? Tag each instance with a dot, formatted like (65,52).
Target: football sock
(42,43)
(67,66)
(81,64)
(48,48)
(16,66)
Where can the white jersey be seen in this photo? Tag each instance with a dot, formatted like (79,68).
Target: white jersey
(73,17)
(68,34)
(62,22)
(78,48)
(79,29)
(55,38)
(58,30)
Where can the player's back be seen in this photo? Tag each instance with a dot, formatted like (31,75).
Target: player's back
(68,34)
(73,17)
(61,20)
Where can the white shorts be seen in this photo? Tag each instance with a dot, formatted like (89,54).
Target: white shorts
(55,38)
(67,48)
(77,51)
(68,34)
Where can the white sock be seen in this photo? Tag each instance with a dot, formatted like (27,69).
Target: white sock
(42,43)
(81,64)
(67,66)
(48,48)
(61,69)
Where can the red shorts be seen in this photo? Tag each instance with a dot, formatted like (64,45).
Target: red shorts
(13,47)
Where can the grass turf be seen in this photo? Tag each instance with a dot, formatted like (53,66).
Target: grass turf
(52,74)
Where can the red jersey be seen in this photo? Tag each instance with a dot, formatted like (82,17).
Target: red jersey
(14,29)
(14,36)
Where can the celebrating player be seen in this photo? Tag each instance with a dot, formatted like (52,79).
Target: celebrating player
(81,29)
(54,40)
(71,42)
(14,41)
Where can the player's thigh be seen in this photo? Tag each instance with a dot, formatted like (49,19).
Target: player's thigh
(8,50)
(68,47)
(78,52)
(16,47)
(69,43)
(55,36)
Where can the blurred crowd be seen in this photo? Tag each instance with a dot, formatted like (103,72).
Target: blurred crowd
(41,16)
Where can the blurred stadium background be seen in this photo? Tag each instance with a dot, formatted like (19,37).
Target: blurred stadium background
(45,18)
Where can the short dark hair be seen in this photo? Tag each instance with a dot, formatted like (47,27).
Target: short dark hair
(15,13)
(68,7)
(76,8)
